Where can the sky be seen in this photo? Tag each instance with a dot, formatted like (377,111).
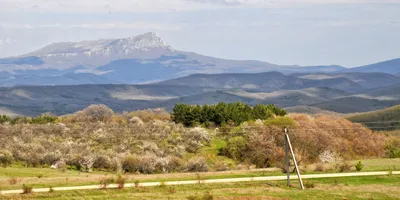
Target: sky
(303,32)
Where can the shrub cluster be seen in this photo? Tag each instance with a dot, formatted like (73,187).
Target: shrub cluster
(149,142)
(114,143)
(4,119)
(222,113)
(311,137)
(42,119)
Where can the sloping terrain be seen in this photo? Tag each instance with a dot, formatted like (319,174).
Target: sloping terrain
(387,119)
(369,100)
(281,98)
(354,104)
(309,110)
(389,66)
(34,100)
(262,82)
(366,80)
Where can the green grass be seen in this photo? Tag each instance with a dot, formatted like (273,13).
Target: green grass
(371,187)
(44,177)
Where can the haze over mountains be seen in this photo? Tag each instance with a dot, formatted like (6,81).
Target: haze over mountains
(65,77)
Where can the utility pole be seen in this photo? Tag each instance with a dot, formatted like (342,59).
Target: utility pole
(287,167)
(288,145)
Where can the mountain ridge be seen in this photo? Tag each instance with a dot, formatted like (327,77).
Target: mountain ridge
(143,52)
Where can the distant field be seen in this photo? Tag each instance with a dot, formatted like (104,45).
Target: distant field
(373,187)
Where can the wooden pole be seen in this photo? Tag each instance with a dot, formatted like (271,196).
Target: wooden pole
(294,160)
(287,167)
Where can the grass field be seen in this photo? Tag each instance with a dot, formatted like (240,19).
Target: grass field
(373,187)
(45,177)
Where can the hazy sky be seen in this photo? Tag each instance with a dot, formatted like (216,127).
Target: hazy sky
(303,32)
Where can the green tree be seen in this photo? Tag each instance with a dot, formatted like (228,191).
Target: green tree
(4,118)
(6,158)
(235,148)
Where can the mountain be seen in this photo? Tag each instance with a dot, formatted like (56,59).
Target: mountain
(282,98)
(261,82)
(315,92)
(34,100)
(390,66)
(309,110)
(354,104)
(138,59)
(387,119)
(366,80)
(369,100)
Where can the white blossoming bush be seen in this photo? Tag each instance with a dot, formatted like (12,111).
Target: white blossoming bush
(329,157)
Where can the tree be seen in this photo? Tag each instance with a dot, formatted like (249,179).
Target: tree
(95,113)
(261,112)
(222,113)
(6,158)
(4,118)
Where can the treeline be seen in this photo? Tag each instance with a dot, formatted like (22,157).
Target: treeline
(222,113)
(42,119)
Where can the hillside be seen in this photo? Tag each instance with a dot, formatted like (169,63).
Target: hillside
(367,100)
(352,104)
(34,100)
(309,110)
(386,119)
(261,82)
(390,66)
(342,93)
(366,80)
(135,142)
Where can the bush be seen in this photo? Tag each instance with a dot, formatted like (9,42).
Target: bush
(95,113)
(6,158)
(221,166)
(205,196)
(236,147)
(26,189)
(44,119)
(130,164)
(309,184)
(102,162)
(319,167)
(120,182)
(4,119)
(12,181)
(136,183)
(61,166)
(343,167)
(393,149)
(105,181)
(359,166)
(197,164)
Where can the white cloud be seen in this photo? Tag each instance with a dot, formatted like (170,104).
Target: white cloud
(154,5)
(99,26)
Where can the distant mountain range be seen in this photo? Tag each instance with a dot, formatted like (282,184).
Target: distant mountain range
(342,93)
(139,59)
(390,67)
(145,72)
